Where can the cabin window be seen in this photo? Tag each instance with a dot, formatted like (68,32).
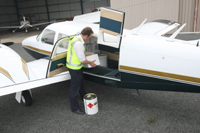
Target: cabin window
(61,35)
(48,36)
(109,38)
(64,44)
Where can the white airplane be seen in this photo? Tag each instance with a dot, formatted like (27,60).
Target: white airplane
(141,58)
(19,77)
(25,24)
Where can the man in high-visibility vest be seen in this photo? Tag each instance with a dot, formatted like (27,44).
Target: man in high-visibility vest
(75,60)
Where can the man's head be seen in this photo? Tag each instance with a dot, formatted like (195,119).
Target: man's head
(87,33)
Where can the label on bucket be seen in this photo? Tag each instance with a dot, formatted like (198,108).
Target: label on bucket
(91,106)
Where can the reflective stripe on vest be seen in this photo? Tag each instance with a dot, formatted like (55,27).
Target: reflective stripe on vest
(69,63)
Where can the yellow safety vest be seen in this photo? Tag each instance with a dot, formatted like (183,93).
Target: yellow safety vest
(72,60)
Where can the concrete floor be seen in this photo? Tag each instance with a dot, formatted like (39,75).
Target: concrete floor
(18,37)
(120,110)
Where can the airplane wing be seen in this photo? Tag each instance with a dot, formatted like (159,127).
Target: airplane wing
(42,23)
(23,76)
(9,27)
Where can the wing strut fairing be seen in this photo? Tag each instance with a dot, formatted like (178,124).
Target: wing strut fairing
(157,27)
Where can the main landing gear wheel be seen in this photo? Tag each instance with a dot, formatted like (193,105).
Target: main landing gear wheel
(26,98)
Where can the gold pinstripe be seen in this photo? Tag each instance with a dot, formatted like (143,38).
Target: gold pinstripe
(111,56)
(109,32)
(111,15)
(161,74)
(39,50)
(60,56)
(24,67)
(5,72)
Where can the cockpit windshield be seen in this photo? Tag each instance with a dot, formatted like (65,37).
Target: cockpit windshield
(38,36)
(48,36)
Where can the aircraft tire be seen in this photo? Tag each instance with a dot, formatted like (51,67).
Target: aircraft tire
(26,98)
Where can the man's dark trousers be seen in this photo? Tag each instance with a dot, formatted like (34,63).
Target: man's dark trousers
(77,85)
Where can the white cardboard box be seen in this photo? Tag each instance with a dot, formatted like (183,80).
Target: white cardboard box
(91,58)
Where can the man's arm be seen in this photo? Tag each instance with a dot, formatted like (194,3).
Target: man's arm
(88,54)
(79,50)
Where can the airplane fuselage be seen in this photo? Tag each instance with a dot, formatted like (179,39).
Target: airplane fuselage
(25,24)
(143,60)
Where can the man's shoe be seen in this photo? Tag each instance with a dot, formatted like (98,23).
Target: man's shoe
(80,112)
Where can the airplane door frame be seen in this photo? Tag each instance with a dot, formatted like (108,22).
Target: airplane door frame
(57,62)
(110,34)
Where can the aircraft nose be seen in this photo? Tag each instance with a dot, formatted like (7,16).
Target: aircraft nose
(24,42)
(28,41)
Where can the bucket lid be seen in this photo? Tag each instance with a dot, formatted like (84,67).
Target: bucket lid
(104,55)
(90,96)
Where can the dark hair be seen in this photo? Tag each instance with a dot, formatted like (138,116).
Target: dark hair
(87,31)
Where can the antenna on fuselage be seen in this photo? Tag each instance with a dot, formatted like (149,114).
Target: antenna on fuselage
(171,38)
(137,30)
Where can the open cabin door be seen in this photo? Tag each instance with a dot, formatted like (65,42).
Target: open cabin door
(110,34)
(111,27)
(57,62)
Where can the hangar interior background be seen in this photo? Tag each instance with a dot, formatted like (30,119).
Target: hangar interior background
(183,11)
(45,10)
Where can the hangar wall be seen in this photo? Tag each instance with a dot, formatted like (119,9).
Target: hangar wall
(8,13)
(58,9)
(176,10)
(45,10)
(138,10)
(187,14)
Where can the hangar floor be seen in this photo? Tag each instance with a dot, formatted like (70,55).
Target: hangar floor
(120,110)
(18,37)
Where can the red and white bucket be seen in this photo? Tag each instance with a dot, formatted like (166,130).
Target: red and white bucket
(90,103)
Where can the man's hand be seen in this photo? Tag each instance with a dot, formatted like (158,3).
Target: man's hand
(92,64)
